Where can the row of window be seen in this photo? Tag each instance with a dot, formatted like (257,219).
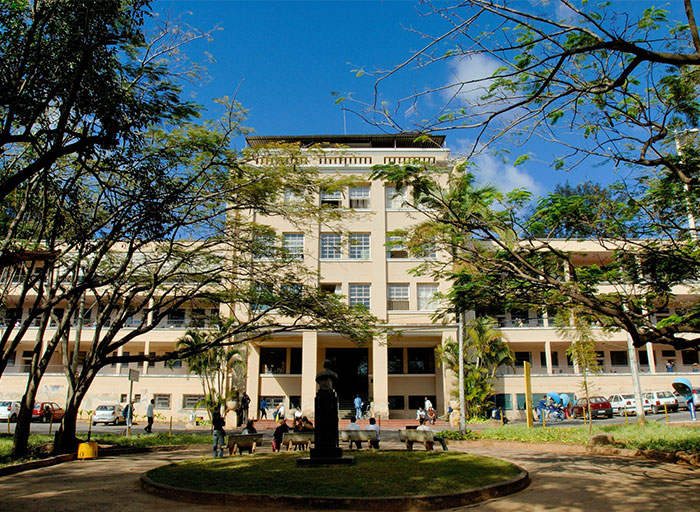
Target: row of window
(357,198)
(617,357)
(164,400)
(332,247)
(402,360)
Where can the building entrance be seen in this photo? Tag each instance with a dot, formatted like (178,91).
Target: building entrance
(352,367)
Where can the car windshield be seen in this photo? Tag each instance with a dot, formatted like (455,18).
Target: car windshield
(627,397)
(597,400)
(665,394)
(105,408)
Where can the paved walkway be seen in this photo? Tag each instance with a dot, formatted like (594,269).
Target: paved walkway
(567,481)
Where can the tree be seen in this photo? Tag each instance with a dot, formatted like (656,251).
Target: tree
(575,327)
(485,351)
(214,365)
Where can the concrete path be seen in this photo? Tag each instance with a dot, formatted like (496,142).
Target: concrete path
(564,481)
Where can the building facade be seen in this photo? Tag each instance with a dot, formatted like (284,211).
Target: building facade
(367,265)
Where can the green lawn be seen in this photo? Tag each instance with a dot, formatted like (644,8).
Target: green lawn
(657,436)
(375,474)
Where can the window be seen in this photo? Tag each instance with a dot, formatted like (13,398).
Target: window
(331,288)
(395,200)
(397,297)
(689,356)
(519,318)
(416,401)
(600,357)
(264,247)
(126,354)
(262,297)
(504,401)
(397,402)
(162,401)
(291,196)
(360,295)
(191,401)
(521,401)
(421,360)
(330,246)
(176,364)
(426,297)
(295,361)
(11,359)
(294,402)
(643,357)
(176,317)
(359,198)
(395,248)
(543,359)
(273,360)
(332,199)
(395,356)
(668,353)
(26,361)
(293,243)
(521,357)
(359,246)
(618,357)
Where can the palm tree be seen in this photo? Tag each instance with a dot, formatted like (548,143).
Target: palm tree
(485,351)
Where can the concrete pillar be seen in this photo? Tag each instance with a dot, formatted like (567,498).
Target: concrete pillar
(146,351)
(252,383)
(120,352)
(548,356)
(652,357)
(380,375)
(309,369)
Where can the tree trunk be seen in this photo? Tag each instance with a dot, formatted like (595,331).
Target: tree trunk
(65,440)
(24,420)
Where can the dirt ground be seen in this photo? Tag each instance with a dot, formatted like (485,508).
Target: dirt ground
(562,480)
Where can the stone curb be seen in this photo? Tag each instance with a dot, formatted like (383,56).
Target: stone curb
(114,451)
(394,504)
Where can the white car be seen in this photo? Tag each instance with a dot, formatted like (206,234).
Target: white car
(660,398)
(620,403)
(111,413)
(9,409)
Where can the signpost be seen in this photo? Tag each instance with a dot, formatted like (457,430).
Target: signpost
(528,394)
(133,377)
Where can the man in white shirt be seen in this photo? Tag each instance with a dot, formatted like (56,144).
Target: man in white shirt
(427,405)
(354,426)
(149,416)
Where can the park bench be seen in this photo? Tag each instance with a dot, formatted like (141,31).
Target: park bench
(242,442)
(417,436)
(357,436)
(299,440)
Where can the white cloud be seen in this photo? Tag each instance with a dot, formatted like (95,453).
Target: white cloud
(471,76)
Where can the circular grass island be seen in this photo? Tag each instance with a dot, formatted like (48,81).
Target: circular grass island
(379,480)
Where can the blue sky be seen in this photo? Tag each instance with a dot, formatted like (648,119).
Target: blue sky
(283,59)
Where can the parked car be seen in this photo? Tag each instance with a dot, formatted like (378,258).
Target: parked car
(659,399)
(627,401)
(111,413)
(9,409)
(47,411)
(599,407)
(682,401)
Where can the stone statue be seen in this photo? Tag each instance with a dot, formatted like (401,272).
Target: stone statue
(326,378)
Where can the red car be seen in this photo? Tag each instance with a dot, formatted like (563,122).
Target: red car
(599,407)
(47,411)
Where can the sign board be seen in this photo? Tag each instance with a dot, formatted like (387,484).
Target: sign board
(134,375)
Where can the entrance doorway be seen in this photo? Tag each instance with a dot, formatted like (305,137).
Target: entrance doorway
(352,367)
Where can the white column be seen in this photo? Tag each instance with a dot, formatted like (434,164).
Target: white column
(120,352)
(652,357)
(380,377)
(548,356)
(146,351)
(252,383)
(309,369)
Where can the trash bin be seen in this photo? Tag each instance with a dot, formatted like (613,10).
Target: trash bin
(87,451)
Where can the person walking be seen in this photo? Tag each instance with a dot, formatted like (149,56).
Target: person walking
(219,434)
(263,408)
(358,407)
(245,405)
(149,416)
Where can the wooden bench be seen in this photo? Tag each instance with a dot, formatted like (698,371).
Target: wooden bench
(242,442)
(357,436)
(300,440)
(417,436)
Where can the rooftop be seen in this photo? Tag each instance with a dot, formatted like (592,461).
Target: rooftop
(397,140)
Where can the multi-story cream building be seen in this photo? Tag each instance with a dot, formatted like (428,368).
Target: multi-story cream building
(394,373)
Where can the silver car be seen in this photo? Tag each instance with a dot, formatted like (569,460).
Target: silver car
(111,413)
(9,409)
